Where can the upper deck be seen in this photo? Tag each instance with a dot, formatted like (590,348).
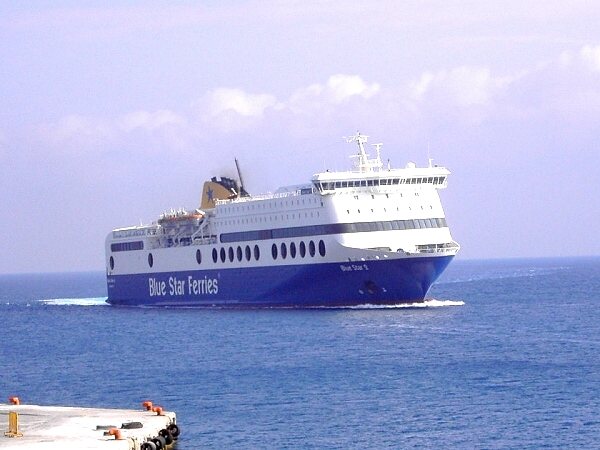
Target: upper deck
(370,172)
(367,174)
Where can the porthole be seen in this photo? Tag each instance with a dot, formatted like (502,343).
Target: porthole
(230,254)
(321,248)
(256,252)
(239,253)
(274,251)
(198,256)
(111,261)
(302,249)
(293,249)
(223,256)
(150,260)
(214,255)
(283,250)
(311,248)
(248,253)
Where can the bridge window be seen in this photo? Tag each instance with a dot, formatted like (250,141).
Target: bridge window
(127,246)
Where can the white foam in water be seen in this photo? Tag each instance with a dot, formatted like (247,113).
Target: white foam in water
(93,301)
(431,303)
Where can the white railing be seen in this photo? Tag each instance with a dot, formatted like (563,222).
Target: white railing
(268,196)
(447,247)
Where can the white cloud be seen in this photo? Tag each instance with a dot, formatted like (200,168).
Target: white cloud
(85,133)
(225,100)
(231,109)
(567,84)
(341,87)
(76,129)
(591,57)
(337,90)
(150,121)
(464,86)
(587,58)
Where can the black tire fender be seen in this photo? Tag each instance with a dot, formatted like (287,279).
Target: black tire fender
(167,435)
(174,430)
(159,445)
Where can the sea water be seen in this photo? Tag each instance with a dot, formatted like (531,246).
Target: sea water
(505,354)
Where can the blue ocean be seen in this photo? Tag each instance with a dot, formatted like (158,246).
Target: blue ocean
(505,354)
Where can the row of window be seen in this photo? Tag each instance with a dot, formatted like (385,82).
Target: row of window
(334,228)
(127,246)
(282,250)
(327,186)
(251,206)
(231,254)
(271,218)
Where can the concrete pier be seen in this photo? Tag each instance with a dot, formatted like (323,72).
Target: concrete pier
(70,428)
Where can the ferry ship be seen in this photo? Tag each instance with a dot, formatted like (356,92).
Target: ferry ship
(372,235)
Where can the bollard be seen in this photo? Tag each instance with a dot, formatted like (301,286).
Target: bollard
(13,425)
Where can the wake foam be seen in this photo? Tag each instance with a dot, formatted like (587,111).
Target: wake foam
(431,303)
(93,301)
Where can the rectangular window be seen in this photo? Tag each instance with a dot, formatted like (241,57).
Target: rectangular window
(127,246)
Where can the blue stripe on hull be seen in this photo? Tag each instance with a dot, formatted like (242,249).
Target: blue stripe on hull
(309,285)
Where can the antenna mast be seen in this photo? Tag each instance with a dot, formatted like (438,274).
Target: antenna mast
(237,166)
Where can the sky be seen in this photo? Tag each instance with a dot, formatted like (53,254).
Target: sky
(112,112)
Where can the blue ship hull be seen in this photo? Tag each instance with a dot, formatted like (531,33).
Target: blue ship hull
(389,281)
